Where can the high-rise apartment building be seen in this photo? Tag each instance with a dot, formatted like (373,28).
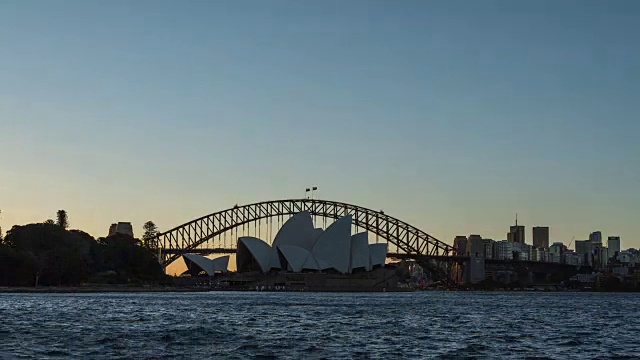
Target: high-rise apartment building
(613,243)
(557,250)
(541,237)
(504,250)
(488,248)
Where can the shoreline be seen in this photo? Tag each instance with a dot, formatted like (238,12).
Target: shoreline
(97,289)
(182,289)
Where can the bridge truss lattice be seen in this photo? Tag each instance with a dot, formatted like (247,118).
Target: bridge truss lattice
(408,239)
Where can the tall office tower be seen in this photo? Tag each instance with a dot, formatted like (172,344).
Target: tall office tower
(613,243)
(541,237)
(460,245)
(516,233)
(584,249)
(595,237)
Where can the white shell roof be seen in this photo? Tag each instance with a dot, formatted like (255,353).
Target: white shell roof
(316,234)
(360,251)
(295,255)
(333,247)
(209,266)
(297,231)
(377,254)
(221,263)
(260,250)
(311,264)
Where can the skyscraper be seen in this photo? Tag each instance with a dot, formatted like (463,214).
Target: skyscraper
(595,237)
(541,237)
(583,249)
(613,243)
(516,233)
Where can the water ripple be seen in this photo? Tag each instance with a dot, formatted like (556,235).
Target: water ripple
(442,325)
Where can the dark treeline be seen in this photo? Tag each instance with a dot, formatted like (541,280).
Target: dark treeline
(50,255)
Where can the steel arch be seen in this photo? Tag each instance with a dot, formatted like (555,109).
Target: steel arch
(409,239)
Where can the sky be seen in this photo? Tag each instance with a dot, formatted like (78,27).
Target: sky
(450,115)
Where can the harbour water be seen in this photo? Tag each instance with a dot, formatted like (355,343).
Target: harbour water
(446,325)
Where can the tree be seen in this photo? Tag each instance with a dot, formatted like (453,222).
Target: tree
(49,222)
(63,220)
(150,232)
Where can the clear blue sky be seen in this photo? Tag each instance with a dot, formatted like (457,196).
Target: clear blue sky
(451,115)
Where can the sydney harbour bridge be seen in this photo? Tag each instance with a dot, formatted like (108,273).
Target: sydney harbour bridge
(218,232)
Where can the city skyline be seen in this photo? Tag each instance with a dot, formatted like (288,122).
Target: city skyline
(452,117)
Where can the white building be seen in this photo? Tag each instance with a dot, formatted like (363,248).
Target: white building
(521,251)
(197,264)
(503,250)
(299,247)
(535,254)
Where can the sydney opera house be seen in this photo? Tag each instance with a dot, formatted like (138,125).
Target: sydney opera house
(304,256)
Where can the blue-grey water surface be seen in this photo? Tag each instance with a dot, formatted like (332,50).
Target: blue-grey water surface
(239,325)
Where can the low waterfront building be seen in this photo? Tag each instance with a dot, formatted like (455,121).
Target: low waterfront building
(620,269)
(586,279)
